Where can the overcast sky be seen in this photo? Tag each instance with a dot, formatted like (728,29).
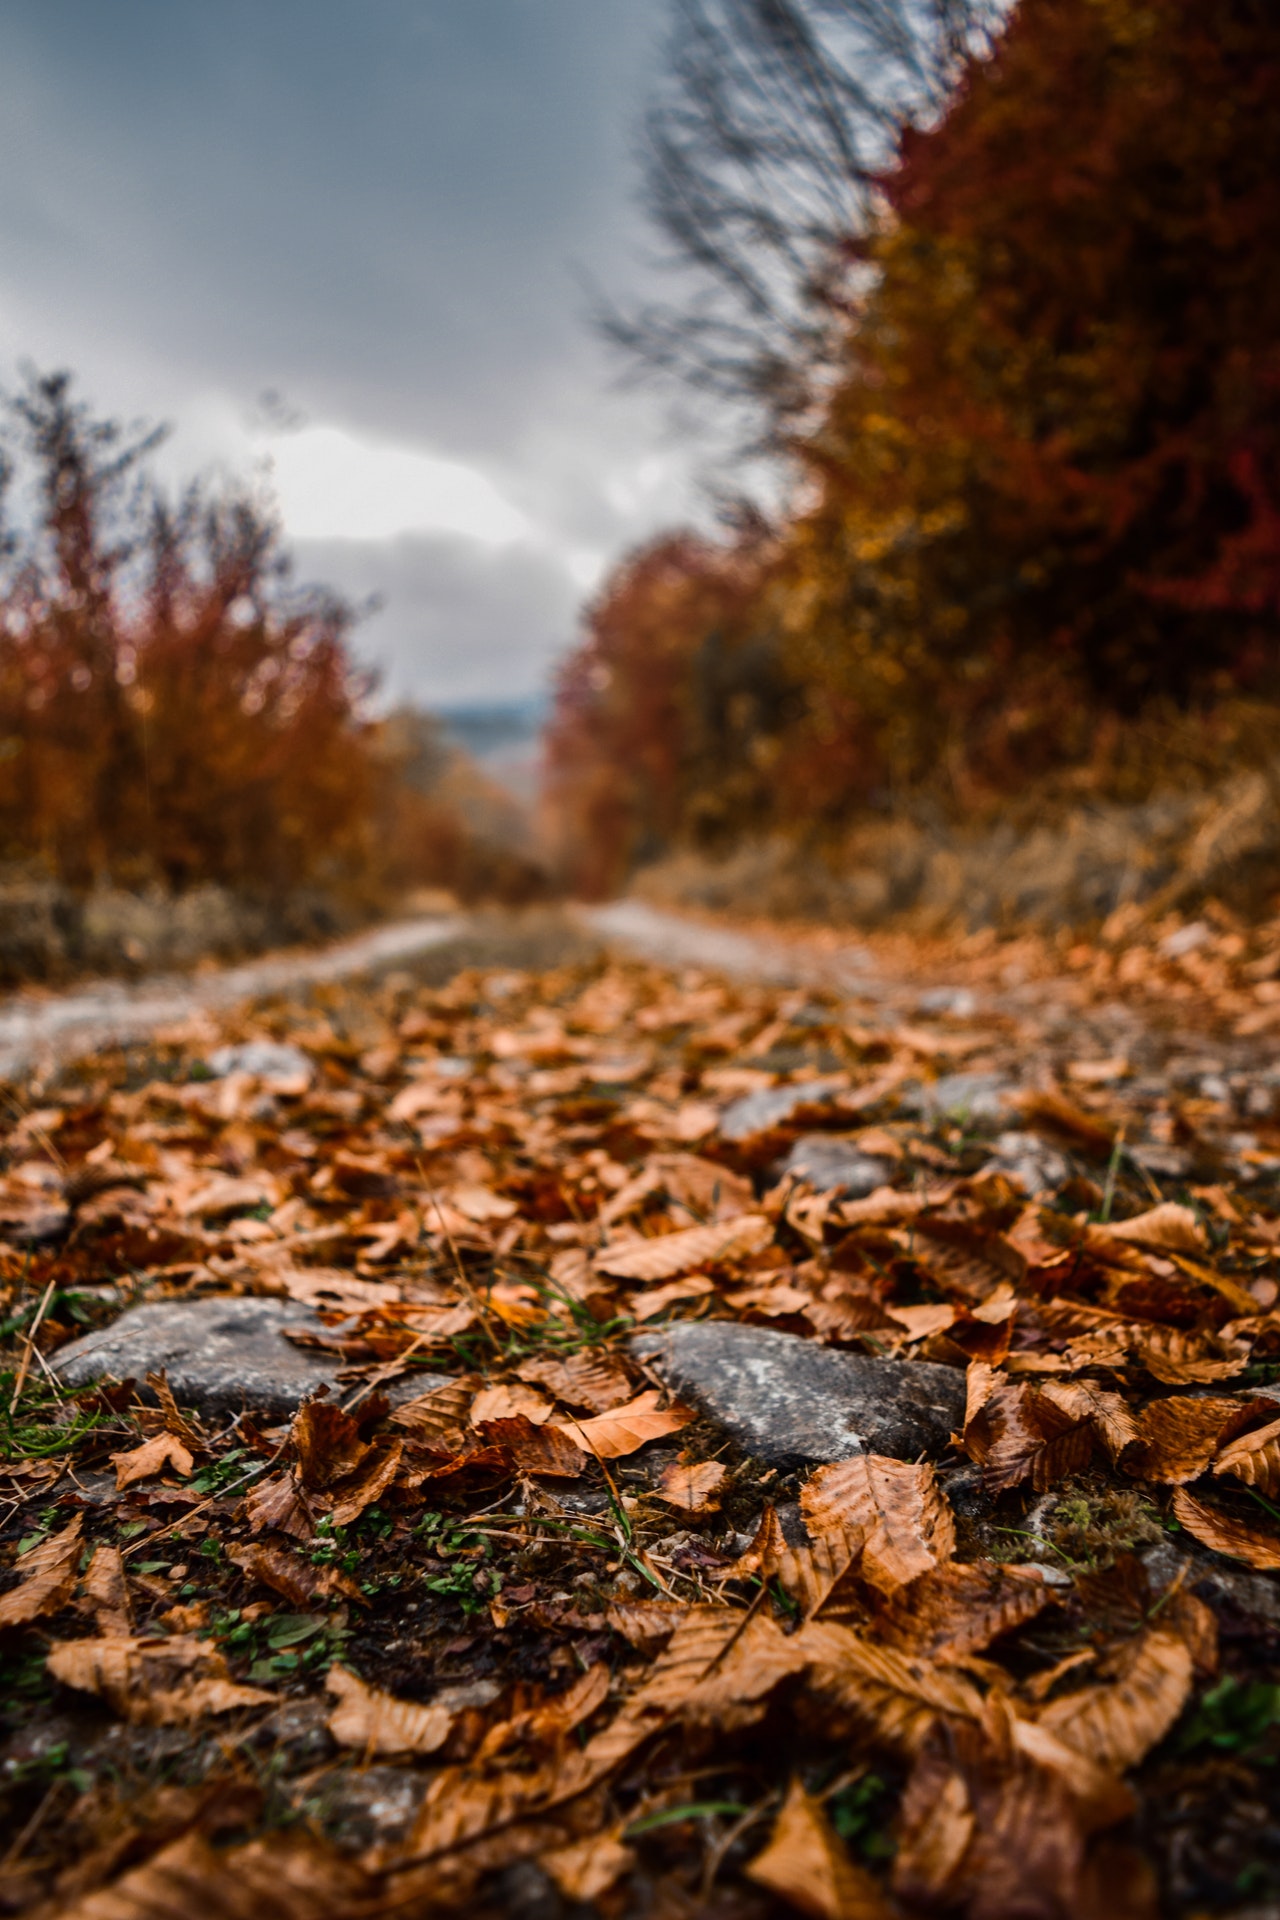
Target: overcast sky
(383,212)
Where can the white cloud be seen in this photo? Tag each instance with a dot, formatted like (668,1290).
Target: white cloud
(332,486)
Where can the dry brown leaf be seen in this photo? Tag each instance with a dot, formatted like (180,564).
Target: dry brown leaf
(505,1402)
(281,1503)
(442,1411)
(374,1475)
(1016,1433)
(808,1866)
(610,1435)
(693,1486)
(48,1577)
(888,1696)
(283,1876)
(646,1624)
(106,1590)
(546,1449)
(668,1254)
(293,1577)
(1117,1722)
(897,1505)
(1167,1228)
(153,1456)
(375,1722)
(589,1868)
(327,1444)
(957,1610)
(153,1682)
(1225,1534)
(1180,1359)
(656,1300)
(1176,1439)
(765,1552)
(1254,1458)
(596,1382)
(817,1574)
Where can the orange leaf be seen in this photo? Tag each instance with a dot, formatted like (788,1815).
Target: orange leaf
(610,1435)
(808,1866)
(1225,1534)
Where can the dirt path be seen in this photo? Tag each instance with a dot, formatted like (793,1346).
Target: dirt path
(38,1026)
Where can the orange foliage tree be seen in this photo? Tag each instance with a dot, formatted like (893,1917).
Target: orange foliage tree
(1043,487)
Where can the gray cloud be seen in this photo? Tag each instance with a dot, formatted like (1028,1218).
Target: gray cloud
(384,211)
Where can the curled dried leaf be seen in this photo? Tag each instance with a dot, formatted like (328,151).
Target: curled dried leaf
(694,1486)
(153,1456)
(622,1430)
(897,1505)
(808,1866)
(375,1722)
(1254,1458)
(153,1682)
(47,1577)
(1225,1534)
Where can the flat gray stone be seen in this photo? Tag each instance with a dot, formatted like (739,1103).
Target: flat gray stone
(972,1097)
(774,1106)
(788,1400)
(221,1354)
(265,1059)
(832,1164)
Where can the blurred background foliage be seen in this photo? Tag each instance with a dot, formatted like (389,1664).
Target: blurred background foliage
(175,712)
(1023,373)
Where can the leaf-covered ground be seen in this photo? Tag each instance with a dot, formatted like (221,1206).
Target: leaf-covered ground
(536,1640)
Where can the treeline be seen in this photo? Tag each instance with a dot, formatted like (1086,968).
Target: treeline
(1033,431)
(174,711)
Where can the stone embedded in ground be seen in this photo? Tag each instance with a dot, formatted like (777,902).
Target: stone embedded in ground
(969,1097)
(220,1354)
(832,1164)
(1029,1161)
(264,1059)
(774,1106)
(788,1400)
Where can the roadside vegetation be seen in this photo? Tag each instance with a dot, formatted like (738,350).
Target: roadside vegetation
(999,300)
(177,713)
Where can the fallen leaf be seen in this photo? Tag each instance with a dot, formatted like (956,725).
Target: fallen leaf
(1168,1228)
(1117,1722)
(326,1442)
(668,1254)
(610,1435)
(287,1875)
(1254,1458)
(152,1681)
(537,1449)
(899,1508)
(293,1577)
(656,1300)
(375,1722)
(106,1590)
(153,1456)
(1225,1534)
(646,1624)
(48,1577)
(584,1871)
(806,1865)
(444,1410)
(597,1382)
(1175,1439)
(282,1503)
(693,1486)
(956,1610)
(359,1490)
(889,1697)
(505,1402)
(1180,1359)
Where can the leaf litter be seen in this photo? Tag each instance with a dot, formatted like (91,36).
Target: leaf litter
(498,1606)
